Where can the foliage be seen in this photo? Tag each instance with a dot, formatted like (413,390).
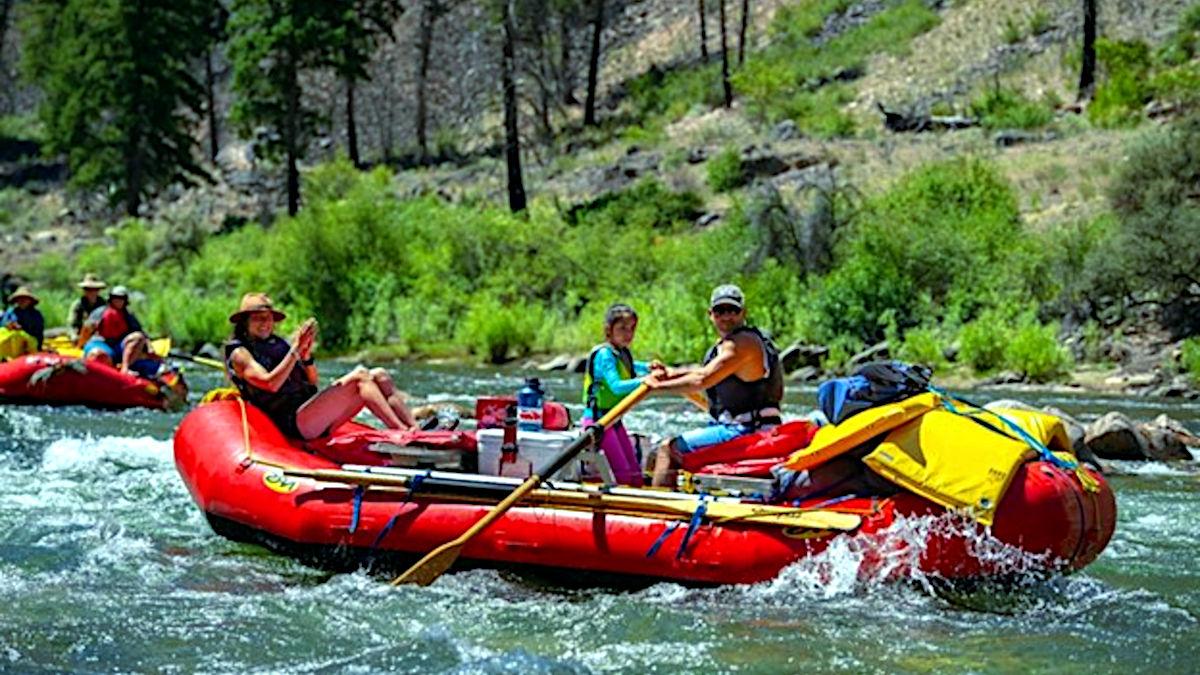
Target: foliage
(1152,251)
(119,89)
(725,170)
(982,342)
(1002,108)
(1034,351)
(1189,358)
(922,345)
(1125,89)
(944,243)
(22,128)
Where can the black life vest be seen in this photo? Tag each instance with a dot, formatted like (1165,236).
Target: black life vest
(733,396)
(281,405)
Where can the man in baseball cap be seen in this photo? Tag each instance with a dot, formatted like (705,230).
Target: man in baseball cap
(741,381)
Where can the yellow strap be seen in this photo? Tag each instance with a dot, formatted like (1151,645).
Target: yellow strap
(250,458)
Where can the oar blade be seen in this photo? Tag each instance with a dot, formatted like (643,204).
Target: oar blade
(432,566)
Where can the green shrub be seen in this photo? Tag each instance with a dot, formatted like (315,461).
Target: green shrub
(1013,32)
(1189,358)
(1009,109)
(1125,86)
(922,345)
(982,342)
(494,331)
(1034,351)
(725,171)
(22,128)
(1040,22)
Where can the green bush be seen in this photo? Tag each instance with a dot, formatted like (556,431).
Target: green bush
(982,342)
(1034,351)
(1189,358)
(1124,89)
(1009,109)
(922,345)
(725,171)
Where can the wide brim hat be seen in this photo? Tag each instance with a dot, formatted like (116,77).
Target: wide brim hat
(92,282)
(23,292)
(256,302)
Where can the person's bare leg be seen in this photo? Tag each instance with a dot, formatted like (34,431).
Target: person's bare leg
(332,407)
(394,398)
(133,348)
(665,467)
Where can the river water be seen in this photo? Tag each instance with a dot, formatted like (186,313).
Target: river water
(106,565)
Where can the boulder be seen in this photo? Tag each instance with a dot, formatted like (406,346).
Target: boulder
(798,355)
(1163,444)
(805,374)
(1114,436)
(1005,377)
(210,351)
(876,352)
(559,362)
(785,131)
(1009,404)
(578,364)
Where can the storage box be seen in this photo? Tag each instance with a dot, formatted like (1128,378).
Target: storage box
(490,412)
(535,449)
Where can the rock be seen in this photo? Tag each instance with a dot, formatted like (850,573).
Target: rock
(578,364)
(559,362)
(1163,445)
(1178,428)
(876,352)
(805,374)
(1007,138)
(785,131)
(799,355)
(697,155)
(1114,436)
(1009,404)
(1005,377)
(209,351)
(707,219)
(950,352)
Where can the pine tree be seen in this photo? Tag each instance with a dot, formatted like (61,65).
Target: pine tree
(271,43)
(120,97)
(359,26)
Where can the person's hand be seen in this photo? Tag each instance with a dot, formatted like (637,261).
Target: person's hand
(653,381)
(13,325)
(658,368)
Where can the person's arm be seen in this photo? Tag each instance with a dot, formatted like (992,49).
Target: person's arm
(305,341)
(245,367)
(9,319)
(727,361)
(38,328)
(89,326)
(134,325)
(606,372)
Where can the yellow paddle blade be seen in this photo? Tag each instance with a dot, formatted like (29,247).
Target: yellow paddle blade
(432,566)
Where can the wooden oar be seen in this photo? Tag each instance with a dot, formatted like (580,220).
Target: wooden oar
(682,506)
(441,558)
(200,360)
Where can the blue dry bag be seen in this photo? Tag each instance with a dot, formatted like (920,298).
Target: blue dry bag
(873,384)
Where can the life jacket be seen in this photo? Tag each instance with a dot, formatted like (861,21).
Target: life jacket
(598,398)
(115,324)
(280,405)
(736,399)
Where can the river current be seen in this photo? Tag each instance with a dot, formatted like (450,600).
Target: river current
(107,565)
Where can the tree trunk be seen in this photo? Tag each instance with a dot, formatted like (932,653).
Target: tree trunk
(1087,72)
(5,7)
(567,75)
(424,46)
(210,87)
(703,32)
(512,139)
(589,108)
(351,125)
(742,32)
(291,133)
(725,84)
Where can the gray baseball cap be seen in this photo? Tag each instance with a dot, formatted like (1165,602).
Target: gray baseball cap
(727,294)
(118,292)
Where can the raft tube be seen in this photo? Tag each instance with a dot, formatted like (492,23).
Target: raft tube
(61,380)
(241,485)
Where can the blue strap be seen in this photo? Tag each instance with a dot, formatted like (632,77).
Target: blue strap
(1042,450)
(358,496)
(661,539)
(384,532)
(415,485)
(697,516)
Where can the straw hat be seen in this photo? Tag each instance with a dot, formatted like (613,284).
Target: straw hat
(92,282)
(23,292)
(255,302)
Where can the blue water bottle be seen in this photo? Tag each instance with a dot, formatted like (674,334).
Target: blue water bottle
(529,406)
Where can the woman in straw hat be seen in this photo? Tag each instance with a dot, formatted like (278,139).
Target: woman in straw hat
(280,378)
(87,303)
(24,317)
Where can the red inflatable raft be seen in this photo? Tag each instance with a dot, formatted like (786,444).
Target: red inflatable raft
(62,380)
(246,478)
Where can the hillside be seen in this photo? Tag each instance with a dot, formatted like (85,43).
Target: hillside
(804,139)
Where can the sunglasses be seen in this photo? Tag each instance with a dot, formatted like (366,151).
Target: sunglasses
(721,310)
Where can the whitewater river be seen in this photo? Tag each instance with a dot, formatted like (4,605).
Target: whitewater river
(106,565)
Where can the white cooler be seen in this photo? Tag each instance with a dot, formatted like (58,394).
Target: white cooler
(535,449)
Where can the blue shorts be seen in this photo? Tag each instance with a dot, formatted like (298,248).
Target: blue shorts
(98,344)
(713,434)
